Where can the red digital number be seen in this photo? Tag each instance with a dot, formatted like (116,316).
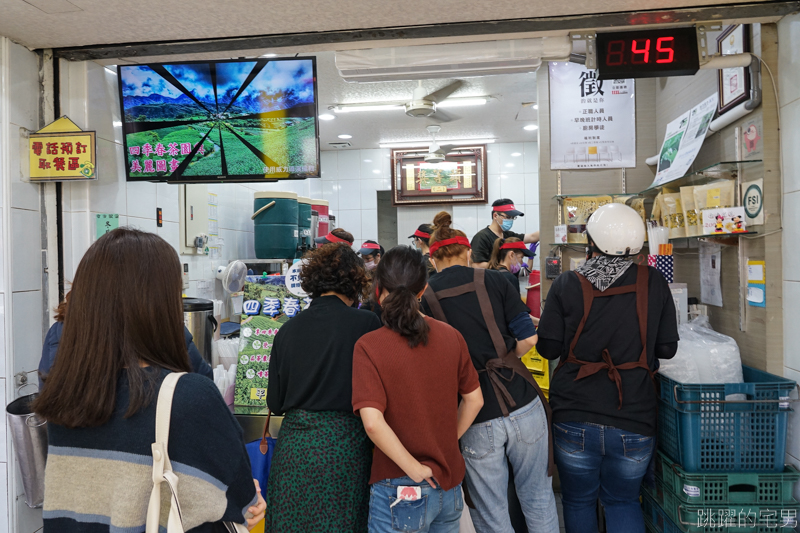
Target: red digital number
(665,50)
(645,52)
(615,52)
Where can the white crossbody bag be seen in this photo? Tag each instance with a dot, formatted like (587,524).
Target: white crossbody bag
(162,468)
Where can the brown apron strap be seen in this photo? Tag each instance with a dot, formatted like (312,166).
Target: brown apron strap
(642,277)
(588,296)
(488,312)
(586,368)
(263,446)
(508,360)
(455,291)
(435,305)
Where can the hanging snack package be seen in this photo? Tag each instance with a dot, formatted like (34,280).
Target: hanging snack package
(713,196)
(577,211)
(694,224)
(672,215)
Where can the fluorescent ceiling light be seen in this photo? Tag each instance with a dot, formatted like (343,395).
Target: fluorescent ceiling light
(269,55)
(461,102)
(516,154)
(327,116)
(531,127)
(352,108)
(425,142)
(345,136)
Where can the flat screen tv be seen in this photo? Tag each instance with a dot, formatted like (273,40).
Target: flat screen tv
(216,121)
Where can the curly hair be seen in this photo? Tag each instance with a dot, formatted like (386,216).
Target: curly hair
(333,267)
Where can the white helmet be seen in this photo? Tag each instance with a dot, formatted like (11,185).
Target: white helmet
(616,229)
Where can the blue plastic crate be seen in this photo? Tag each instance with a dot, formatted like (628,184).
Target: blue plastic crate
(768,389)
(710,436)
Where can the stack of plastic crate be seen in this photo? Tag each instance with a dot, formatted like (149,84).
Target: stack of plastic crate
(720,466)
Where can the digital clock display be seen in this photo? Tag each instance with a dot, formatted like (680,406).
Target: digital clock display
(647,53)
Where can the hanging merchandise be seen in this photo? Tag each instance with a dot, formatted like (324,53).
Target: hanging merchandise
(710,269)
(683,140)
(593,122)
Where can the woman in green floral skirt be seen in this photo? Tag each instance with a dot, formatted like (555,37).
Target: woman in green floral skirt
(319,479)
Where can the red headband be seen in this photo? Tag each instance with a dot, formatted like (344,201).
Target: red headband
(507,207)
(422,234)
(331,238)
(463,241)
(371,246)
(519,245)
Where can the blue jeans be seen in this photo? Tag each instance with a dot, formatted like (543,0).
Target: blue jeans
(437,511)
(522,439)
(601,461)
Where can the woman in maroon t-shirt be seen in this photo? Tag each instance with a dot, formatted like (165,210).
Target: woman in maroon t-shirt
(407,377)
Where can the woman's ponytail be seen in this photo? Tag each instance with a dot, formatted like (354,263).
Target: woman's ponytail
(403,273)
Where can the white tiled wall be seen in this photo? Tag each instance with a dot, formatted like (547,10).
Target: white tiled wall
(351,179)
(789,85)
(21,254)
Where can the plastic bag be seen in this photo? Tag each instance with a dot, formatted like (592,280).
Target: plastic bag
(704,356)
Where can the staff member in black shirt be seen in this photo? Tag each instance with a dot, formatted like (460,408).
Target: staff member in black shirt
(609,322)
(320,471)
(420,241)
(512,427)
(337,235)
(507,257)
(503,216)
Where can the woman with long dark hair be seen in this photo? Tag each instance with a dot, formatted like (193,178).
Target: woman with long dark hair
(320,469)
(513,425)
(117,347)
(407,378)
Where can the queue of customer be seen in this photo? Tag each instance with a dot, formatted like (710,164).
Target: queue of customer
(435,384)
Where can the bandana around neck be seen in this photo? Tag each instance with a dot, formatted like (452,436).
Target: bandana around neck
(602,271)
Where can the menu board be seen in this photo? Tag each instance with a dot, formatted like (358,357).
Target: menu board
(268,305)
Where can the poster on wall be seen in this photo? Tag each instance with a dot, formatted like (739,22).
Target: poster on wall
(683,139)
(61,151)
(592,122)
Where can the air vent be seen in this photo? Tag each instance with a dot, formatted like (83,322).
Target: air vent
(339,145)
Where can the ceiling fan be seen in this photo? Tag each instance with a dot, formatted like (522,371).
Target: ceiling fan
(424,105)
(436,153)
(421,105)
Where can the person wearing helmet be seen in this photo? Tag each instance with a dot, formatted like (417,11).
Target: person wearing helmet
(503,216)
(609,322)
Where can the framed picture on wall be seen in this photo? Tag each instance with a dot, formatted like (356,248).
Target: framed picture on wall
(455,177)
(734,83)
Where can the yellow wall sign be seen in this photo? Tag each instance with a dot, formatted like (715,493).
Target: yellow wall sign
(61,151)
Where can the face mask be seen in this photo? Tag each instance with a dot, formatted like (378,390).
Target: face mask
(370,265)
(507,224)
(515,268)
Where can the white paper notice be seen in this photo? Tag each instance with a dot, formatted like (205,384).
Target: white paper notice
(592,122)
(710,268)
(755,273)
(683,140)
